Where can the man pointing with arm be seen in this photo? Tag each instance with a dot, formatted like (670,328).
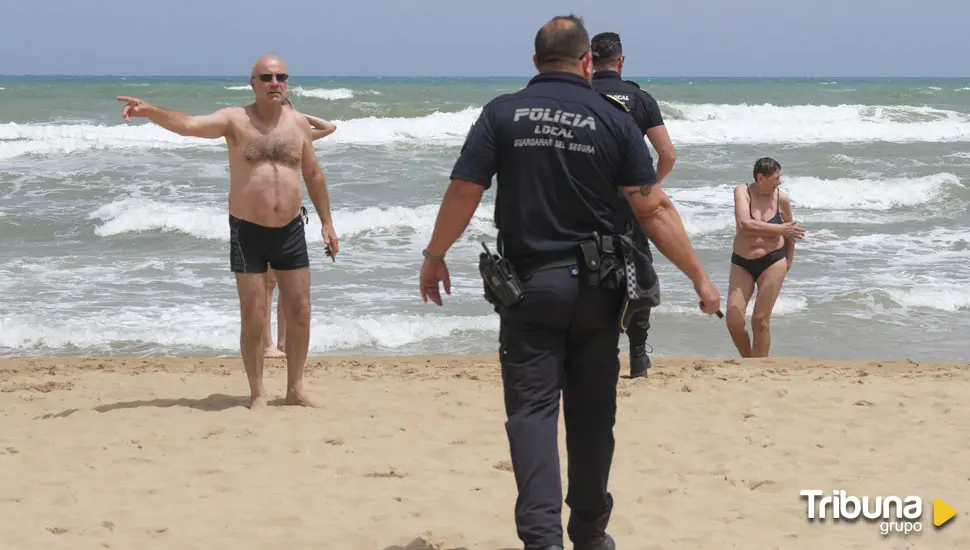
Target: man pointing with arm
(270,148)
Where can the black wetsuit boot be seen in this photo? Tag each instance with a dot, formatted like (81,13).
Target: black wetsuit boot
(637,333)
(639,362)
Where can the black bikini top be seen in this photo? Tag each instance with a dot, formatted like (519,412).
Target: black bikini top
(777,218)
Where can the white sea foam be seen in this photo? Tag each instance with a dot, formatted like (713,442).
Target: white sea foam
(939,246)
(840,158)
(316,93)
(689,124)
(50,139)
(135,215)
(837,194)
(868,194)
(208,327)
(322,93)
(436,128)
(767,124)
(929,296)
(785,305)
(699,124)
(704,210)
(941,298)
(216,327)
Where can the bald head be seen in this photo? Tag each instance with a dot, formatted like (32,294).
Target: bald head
(562,41)
(268,64)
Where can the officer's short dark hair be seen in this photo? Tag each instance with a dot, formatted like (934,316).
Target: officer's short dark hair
(766,166)
(606,47)
(558,42)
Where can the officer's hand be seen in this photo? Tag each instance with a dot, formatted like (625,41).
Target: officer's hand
(434,272)
(710,297)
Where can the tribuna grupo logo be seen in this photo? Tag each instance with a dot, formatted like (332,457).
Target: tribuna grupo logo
(894,514)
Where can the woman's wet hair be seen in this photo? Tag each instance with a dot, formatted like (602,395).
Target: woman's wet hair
(766,166)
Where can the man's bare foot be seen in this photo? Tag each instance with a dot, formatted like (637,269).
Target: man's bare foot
(258,402)
(271,351)
(298,398)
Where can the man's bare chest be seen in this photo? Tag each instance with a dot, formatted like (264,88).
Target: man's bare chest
(281,145)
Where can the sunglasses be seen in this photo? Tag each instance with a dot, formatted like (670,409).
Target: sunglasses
(280,77)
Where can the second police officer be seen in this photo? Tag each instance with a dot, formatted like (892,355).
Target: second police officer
(608,61)
(565,158)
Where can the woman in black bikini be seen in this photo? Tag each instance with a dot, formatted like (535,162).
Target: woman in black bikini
(765,236)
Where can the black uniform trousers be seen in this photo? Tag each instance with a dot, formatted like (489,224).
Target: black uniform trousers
(563,337)
(637,330)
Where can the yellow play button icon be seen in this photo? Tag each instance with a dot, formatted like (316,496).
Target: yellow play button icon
(942,512)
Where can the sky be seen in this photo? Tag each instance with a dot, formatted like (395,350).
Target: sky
(661,38)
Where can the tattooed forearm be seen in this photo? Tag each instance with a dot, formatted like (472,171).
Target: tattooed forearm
(643,190)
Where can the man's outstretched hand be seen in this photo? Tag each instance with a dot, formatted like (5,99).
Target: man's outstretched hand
(135,107)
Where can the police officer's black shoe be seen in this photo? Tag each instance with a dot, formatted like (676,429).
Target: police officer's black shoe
(605,544)
(639,363)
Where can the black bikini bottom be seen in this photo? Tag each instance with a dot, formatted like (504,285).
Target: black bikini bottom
(757,266)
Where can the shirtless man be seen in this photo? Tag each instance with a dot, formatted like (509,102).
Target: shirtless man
(765,235)
(269,147)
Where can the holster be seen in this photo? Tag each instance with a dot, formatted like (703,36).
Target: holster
(620,262)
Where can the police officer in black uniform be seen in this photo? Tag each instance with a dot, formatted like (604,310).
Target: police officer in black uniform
(567,161)
(607,78)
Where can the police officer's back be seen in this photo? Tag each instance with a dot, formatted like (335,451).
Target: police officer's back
(561,153)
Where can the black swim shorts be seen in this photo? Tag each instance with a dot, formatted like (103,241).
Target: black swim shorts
(252,247)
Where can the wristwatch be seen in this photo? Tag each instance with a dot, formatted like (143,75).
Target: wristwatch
(431,256)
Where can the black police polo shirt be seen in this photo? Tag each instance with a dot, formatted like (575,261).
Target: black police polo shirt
(643,107)
(560,151)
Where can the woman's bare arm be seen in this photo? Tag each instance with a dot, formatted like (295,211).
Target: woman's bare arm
(320,127)
(747,224)
(785,204)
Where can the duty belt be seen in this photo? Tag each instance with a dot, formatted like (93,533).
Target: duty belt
(610,263)
(608,267)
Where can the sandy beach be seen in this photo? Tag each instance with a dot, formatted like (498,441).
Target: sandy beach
(410,453)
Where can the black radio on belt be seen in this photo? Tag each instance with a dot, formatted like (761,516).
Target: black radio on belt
(502,287)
